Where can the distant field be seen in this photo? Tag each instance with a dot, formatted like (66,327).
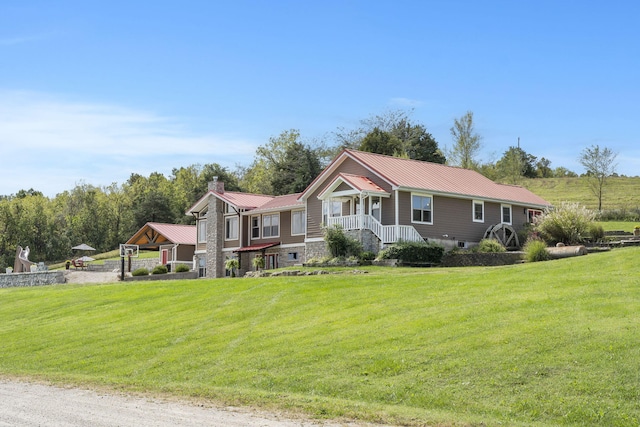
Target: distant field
(541,344)
(620,193)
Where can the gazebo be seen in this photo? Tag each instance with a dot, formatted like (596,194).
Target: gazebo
(176,243)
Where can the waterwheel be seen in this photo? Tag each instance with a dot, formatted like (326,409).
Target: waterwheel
(503,233)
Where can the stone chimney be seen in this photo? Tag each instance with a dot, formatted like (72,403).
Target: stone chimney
(216,186)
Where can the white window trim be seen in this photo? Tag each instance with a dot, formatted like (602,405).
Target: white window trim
(304,222)
(473,210)
(202,223)
(432,209)
(251,227)
(502,221)
(262,226)
(226,222)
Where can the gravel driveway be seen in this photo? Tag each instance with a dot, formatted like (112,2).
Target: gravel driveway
(31,404)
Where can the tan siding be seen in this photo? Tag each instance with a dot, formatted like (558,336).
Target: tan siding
(231,243)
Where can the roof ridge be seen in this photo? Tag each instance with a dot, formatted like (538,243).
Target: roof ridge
(408,160)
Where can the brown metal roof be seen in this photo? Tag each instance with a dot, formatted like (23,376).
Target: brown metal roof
(281,202)
(417,175)
(153,234)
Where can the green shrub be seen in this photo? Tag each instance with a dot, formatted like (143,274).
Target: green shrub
(140,272)
(258,262)
(160,269)
(413,252)
(536,250)
(568,223)
(596,232)
(339,244)
(232,264)
(367,256)
(489,246)
(182,268)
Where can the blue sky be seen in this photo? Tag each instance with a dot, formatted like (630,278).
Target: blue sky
(92,91)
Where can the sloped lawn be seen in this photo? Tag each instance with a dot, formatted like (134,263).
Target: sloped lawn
(552,343)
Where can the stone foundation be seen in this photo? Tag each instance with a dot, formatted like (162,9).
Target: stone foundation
(481,259)
(316,250)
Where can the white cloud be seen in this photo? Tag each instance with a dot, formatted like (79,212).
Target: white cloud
(406,102)
(50,144)
(11,41)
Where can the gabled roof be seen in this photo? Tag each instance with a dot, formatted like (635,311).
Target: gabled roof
(241,201)
(153,234)
(279,203)
(357,182)
(415,175)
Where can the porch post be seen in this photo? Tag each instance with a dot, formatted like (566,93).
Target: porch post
(362,209)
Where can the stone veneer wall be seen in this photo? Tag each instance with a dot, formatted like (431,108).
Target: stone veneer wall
(114,265)
(315,250)
(40,278)
(215,238)
(369,240)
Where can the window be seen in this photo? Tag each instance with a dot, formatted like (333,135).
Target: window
(202,267)
(421,208)
(231,228)
(202,231)
(255,227)
(478,211)
(270,225)
(292,256)
(506,214)
(298,221)
(332,208)
(532,214)
(375,208)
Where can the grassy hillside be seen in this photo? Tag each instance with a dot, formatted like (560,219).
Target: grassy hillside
(552,343)
(620,193)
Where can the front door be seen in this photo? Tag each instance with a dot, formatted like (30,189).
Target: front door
(271,261)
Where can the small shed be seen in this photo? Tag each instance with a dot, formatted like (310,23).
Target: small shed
(176,243)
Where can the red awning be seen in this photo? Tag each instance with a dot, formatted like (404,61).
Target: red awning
(256,248)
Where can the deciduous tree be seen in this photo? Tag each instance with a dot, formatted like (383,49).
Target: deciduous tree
(466,142)
(600,165)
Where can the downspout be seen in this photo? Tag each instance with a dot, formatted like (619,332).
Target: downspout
(397,207)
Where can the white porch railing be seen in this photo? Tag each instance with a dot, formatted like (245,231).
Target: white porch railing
(386,233)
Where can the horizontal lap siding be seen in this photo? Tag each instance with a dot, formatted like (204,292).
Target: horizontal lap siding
(451,217)
(285,232)
(314,206)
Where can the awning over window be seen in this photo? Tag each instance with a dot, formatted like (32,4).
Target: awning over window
(256,248)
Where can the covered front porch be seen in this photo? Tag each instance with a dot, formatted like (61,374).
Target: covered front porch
(355,203)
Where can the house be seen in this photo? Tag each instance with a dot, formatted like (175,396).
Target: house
(176,243)
(377,199)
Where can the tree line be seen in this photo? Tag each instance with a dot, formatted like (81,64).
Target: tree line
(104,217)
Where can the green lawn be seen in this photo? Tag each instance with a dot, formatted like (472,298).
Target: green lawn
(552,343)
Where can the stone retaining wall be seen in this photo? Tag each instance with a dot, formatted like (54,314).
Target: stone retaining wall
(168,276)
(480,259)
(40,278)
